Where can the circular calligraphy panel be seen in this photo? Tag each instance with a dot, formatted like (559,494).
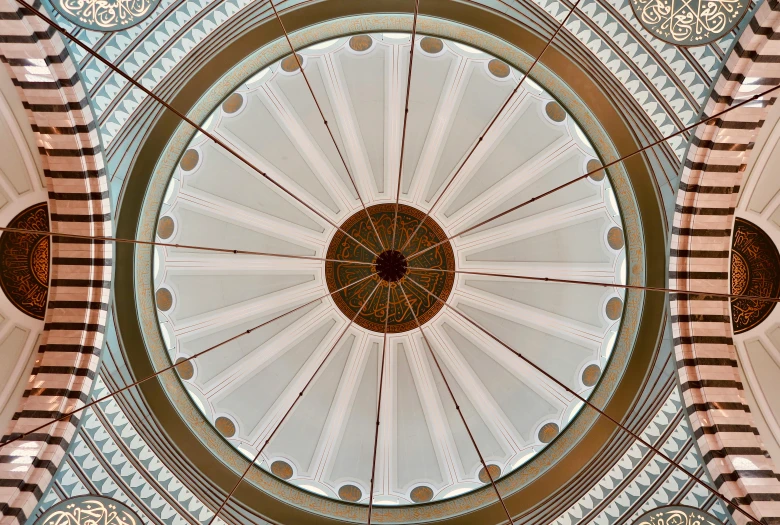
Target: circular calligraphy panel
(105,15)
(689,22)
(755,271)
(89,510)
(677,515)
(24,261)
(390,268)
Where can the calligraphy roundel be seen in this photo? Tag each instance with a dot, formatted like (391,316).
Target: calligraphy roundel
(755,270)
(24,261)
(377,277)
(689,22)
(677,515)
(89,510)
(105,15)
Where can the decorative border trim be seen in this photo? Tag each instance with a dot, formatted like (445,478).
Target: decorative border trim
(80,273)
(701,242)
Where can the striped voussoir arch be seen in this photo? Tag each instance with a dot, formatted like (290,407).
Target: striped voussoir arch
(80,273)
(701,241)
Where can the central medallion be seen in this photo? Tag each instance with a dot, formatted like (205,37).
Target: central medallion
(391,265)
(390,262)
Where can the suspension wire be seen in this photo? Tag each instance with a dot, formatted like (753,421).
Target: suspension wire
(292,406)
(406,118)
(378,408)
(602,285)
(457,407)
(186,119)
(490,125)
(325,121)
(54,235)
(184,360)
(601,168)
(140,86)
(587,402)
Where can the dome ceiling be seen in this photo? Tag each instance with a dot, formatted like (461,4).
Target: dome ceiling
(326,444)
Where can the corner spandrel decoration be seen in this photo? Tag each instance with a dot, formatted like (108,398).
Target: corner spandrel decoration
(89,510)
(105,15)
(755,271)
(689,22)
(24,261)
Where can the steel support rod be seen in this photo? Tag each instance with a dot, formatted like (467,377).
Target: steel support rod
(171,367)
(325,121)
(600,168)
(378,409)
(406,118)
(173,245)
(602,285)
(186,119)
(457,407)
(289,410)
(585,401)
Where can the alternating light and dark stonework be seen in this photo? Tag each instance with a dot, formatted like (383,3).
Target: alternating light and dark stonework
(700,260)
(47,81)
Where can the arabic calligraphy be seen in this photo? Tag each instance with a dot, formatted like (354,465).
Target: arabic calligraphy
(105,15)
(689,22)
(89,510)
(676,515)
(755,270)
(343,248)
(24,261)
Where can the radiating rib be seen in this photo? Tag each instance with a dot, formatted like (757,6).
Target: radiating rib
(252,229)
(378,408)
(601,168)
(316,371)
(221,384)
(289,410)
(457,406)
(183,117)
(541,167)
(173,245)
(167,368)
(111,66)
(620,425)
(325,121)
(459,349)
(560,219)
(406,118)
(604,285)
(498,114)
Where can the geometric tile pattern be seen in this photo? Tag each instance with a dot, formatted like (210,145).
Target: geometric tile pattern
(667,83)
(108,452)
(110,458)
(640,480)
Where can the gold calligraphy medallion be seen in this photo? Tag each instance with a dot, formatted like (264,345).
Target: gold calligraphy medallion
(390,268)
